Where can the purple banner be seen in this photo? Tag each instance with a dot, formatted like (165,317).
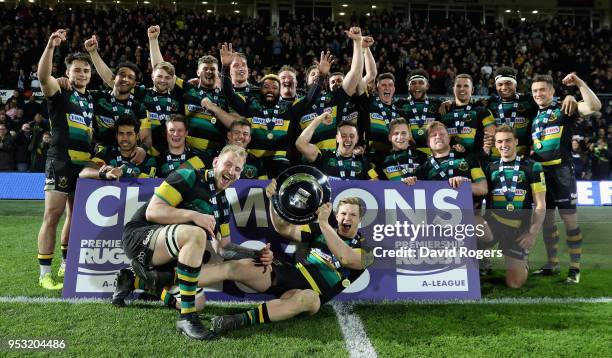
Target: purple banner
(422,237)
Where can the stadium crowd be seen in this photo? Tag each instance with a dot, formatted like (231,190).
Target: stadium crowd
(444,51)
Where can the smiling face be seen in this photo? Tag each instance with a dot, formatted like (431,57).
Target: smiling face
(399,136)
(438,139)
(239,135)
(313,76)
(288,84)
(126,138)
(175,135)
(125,80)
(418,88)
(162,80)
(542,93)
(348,219)
(506,143)
(463,90)
(208,73)
(347,138)
(335,82)
(270,90)
(239,71)
(386,90)
(79,74)
(227,169)
(506,89)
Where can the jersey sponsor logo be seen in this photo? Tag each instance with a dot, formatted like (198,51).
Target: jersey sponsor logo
(551,130)
(351,116)
(396,168)
(159,116)
(464,130)
(77,119)
(195,109)
(264,121)
(377,116)
(518,192)
(307,118)
(108,121)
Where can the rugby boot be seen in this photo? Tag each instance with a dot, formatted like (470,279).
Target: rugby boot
(155,280)
(547,270)
(124,287)
(220,324)
(573,276)
(47,282)
(191,326)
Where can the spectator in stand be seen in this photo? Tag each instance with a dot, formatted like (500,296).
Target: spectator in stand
(7,150)
(40,154)
(22,148)
(600,160)
(580,159)
(30,109)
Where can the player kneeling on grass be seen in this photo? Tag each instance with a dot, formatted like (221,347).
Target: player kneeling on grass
(187,216)
(332,260)
(516,184)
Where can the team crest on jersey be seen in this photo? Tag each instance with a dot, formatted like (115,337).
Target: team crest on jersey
(108,121)
(521,108)
(553,117)
(463,166)
(77,119)
(249,172)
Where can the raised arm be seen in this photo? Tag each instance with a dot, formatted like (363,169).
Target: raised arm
(48,83)
(309,150)
(154,51)
(234,100)
(352,78)
(590,103)
(347,256)
(91,46)
(370,65)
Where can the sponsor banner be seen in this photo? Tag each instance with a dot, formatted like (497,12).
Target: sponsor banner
(420,237)
(594,193)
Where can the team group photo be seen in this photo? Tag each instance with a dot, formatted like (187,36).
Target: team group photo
(295,178)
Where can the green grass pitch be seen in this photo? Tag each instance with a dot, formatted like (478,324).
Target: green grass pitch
(395,329)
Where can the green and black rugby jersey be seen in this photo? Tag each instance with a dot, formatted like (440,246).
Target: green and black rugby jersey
(453,165)
(191,189)
(466,124)
(167,162)
(108,109)
(418,114)
(270,122)
(400,164)
(71,121)
(334,103)
(159,107)
(517,113)
(554,145)
(378,115)
(253,168)
(529,180)
(321,269)
(111,155)
(205,131)
(343,168)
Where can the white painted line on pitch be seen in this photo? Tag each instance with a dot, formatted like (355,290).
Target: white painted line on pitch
(357,342)
(484,301)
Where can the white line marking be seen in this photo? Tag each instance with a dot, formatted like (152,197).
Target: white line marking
(357,342)
(484,301)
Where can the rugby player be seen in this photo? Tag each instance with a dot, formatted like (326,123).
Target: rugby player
(551,133)
(179,155)
(71,115)
(239,134)
(187,215)
(333,258)
(403,160)
(113,162)
(341,163)
(516,183)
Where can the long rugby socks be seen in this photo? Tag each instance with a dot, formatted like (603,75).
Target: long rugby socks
(258,314)
(64,253)
(574,247)
(44,260)
(188,285)
(551,241)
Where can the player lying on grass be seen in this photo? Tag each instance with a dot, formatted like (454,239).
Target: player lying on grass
(332,259)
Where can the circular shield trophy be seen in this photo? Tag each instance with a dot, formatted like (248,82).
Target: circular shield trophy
(300,190)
